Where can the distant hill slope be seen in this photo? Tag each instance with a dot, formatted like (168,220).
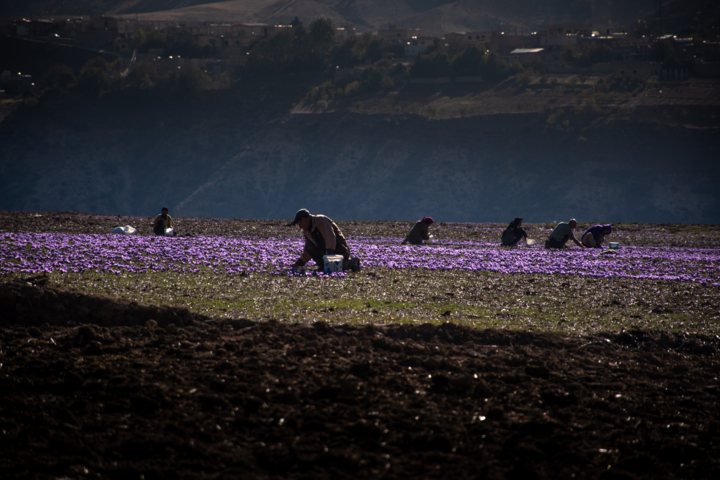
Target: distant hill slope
(91,7)
(435,16)
(243,155)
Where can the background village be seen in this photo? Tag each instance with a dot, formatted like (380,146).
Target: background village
(225,48)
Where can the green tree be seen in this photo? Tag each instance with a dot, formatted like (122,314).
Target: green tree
(145,75)
(58,76)
(140,37)
(455,45)
(358,50)
(93,80)
(323,32)
(190,80)
(469,63)
(292,49)
(495,68)
(433,65)
(95,76)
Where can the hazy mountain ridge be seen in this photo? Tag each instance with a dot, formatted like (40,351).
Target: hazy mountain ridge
(244,156)
(435,16)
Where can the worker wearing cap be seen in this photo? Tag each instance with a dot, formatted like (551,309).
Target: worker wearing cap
(322,237)
(561,234)
(419,232)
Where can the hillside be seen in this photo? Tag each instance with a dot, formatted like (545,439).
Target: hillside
(243,154)
(435,16)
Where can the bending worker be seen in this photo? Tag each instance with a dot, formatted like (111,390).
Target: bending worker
(513,233)
(322,237)
(594,236)
(561,234)
(419,232)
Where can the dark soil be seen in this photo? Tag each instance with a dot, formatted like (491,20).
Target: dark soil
(94,387)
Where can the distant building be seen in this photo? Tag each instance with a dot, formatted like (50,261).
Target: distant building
(415,46)
(563,34)
(19,83)
(505,43)
(343,33)
(527,55)
(397,34)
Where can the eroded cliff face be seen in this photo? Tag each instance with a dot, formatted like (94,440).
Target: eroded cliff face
(243,155)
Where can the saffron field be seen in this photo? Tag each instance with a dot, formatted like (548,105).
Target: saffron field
(465,277)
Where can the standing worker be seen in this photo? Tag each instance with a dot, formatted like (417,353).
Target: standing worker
(322,237)
(594,236)
(561,234)
(513,233)
(162,222)
(419,232)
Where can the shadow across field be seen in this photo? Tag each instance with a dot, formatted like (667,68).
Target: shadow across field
(94,386)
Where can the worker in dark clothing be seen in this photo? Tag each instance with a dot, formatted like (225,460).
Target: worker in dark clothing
(322,237)
(513,233)
(595,235)
(162,222)
(419,232)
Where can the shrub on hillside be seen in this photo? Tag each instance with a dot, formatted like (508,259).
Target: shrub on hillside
(296,49)
(144,75)
(58,76)
(189,80)
(359,50)
(433,65)
(469,63)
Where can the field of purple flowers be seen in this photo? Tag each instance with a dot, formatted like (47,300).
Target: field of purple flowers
(653,281)
(204,357)
(32,253)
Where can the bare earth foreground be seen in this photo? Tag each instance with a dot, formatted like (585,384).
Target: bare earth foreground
(104,386)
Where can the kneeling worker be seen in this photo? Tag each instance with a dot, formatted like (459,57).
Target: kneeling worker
(162,222)
(561,234)
(419,232)
(513,233)
(322,237)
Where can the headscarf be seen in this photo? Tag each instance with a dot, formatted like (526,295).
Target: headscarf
(515,222)
(427,220)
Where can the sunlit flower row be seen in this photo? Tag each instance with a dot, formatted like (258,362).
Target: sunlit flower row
(34,253)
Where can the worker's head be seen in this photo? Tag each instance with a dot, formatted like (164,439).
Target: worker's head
(517,221)
(302,219)
(607,229)
(572,223)
(164,211)
(428,220)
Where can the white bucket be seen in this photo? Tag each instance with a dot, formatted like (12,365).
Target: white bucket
(614,245)
(333,263)
(169,232)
